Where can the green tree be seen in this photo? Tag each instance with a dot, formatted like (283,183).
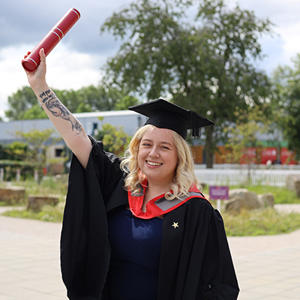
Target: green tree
(17,151)
(244,134)
(99,98)
(19,102)
(125,102)
(205,65)
(3,152)
(23,104)
(114,139)
(37,141)
(70,98)
(286,102)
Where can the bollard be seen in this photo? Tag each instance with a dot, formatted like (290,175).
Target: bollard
(18,175)
(36,175)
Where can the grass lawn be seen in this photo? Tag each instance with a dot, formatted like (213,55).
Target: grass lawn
(48,186)
(266,221)
(47,214)
(281,194)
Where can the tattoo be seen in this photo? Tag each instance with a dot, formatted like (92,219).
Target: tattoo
(45,96)
(58,110)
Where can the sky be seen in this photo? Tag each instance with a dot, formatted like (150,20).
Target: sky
(77,60)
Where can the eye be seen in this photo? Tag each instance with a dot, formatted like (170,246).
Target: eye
(165,147)
(145,144)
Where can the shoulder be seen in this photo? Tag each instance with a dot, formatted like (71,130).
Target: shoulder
(199,202)
(105,165)
(98,152)
(201,209)
(195,208)
(202,204)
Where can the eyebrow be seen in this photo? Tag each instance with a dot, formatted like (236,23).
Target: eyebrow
(163,142)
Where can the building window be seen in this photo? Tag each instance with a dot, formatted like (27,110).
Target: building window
(95,128)
(58,152)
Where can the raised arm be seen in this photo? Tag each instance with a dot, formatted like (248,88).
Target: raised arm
(66,124)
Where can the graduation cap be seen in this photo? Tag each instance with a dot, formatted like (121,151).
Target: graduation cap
(164,114)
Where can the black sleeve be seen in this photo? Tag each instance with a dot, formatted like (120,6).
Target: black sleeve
(218,279)
(107,167)
(85,248)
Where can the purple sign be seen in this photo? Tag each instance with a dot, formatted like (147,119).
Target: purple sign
(218,192)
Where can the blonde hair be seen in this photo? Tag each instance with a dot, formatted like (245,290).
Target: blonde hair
(184,176)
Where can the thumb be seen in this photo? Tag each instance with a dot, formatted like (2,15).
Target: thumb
(42,55)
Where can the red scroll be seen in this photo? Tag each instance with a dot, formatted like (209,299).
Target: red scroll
(31,62)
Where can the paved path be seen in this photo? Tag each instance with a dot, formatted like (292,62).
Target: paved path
(268,267)
(288,208)
(29,260)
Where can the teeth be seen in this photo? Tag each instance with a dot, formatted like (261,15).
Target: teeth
(153,163)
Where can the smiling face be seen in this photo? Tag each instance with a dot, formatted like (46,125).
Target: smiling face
(157,156)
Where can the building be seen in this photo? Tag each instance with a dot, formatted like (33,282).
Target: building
(130,121)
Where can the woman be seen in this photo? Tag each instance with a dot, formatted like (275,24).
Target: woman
(138,229)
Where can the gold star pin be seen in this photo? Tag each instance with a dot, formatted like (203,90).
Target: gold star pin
(175,224)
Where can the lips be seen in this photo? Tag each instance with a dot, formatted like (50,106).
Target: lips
(153,163)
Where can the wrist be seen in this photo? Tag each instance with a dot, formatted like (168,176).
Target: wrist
(39,89)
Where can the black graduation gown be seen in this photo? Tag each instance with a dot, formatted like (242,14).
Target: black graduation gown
(195,262)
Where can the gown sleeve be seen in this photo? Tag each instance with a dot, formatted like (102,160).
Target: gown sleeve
(107,168)
(218,279)
(84,242)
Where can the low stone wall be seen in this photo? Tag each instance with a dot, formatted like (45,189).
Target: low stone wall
(36,203)
(12,195)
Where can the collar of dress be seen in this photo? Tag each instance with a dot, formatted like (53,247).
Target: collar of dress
(158,206)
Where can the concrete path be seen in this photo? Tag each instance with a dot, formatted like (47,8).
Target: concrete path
(288,208)
(29,260)
(268,267)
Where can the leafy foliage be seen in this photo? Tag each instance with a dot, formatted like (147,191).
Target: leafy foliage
(19,103)
(260,222)
(125,102)
(286,99)
(37,141)
(23,104)
(244,134)
(204,65)
(16,151)
(114,139)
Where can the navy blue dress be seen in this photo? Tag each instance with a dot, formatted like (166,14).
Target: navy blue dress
(135,252)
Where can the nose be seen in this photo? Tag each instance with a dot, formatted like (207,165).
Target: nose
(154,152)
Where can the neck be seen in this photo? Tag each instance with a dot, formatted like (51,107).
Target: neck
(158,188)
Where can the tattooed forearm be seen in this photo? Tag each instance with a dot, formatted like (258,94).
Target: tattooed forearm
(58,110)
